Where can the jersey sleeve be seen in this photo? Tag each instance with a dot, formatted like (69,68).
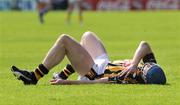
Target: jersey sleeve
(149,58)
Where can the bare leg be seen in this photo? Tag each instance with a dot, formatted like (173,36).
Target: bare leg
(79,3)
(69,12)
(77,55)
(95,48)
(43,8)
(92,44)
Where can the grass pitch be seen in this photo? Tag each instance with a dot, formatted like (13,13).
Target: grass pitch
(24,42)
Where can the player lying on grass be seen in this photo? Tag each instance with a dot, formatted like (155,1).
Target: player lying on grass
(90,60)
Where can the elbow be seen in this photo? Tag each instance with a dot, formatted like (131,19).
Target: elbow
(144,44)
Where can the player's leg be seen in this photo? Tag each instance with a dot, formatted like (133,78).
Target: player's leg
(76,54)
(69,10)
(93,44)
(43,7)
(64,73)
(65,45)
(96,49)
(40,6)
(80,12)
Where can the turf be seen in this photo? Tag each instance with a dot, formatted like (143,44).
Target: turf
(24,42)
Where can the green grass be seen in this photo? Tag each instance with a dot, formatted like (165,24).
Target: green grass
(24,42)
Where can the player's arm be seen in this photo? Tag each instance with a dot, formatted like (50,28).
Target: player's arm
(78,82)
(142,50)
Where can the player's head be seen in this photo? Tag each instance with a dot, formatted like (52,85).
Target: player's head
(153,74)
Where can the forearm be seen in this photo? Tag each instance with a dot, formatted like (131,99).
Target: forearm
(78,82)
(141,51)
(99,81)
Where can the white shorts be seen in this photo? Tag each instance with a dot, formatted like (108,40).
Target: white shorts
(100,64)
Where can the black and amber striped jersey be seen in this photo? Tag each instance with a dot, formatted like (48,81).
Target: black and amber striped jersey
(116,67)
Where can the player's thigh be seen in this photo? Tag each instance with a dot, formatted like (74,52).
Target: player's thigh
(80,59)
(93,44)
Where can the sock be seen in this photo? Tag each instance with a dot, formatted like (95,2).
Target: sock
(68,70)
(40,71)
(92,75)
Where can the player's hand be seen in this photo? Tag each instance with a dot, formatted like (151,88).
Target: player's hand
(57,81)
(129,69)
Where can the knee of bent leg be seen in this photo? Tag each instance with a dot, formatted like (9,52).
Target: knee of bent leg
(87,35)
(63,38)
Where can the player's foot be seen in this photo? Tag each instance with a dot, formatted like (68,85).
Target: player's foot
(25,76)
(56,76)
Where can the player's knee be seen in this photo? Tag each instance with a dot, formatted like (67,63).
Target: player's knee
(87,34)
(63,38)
